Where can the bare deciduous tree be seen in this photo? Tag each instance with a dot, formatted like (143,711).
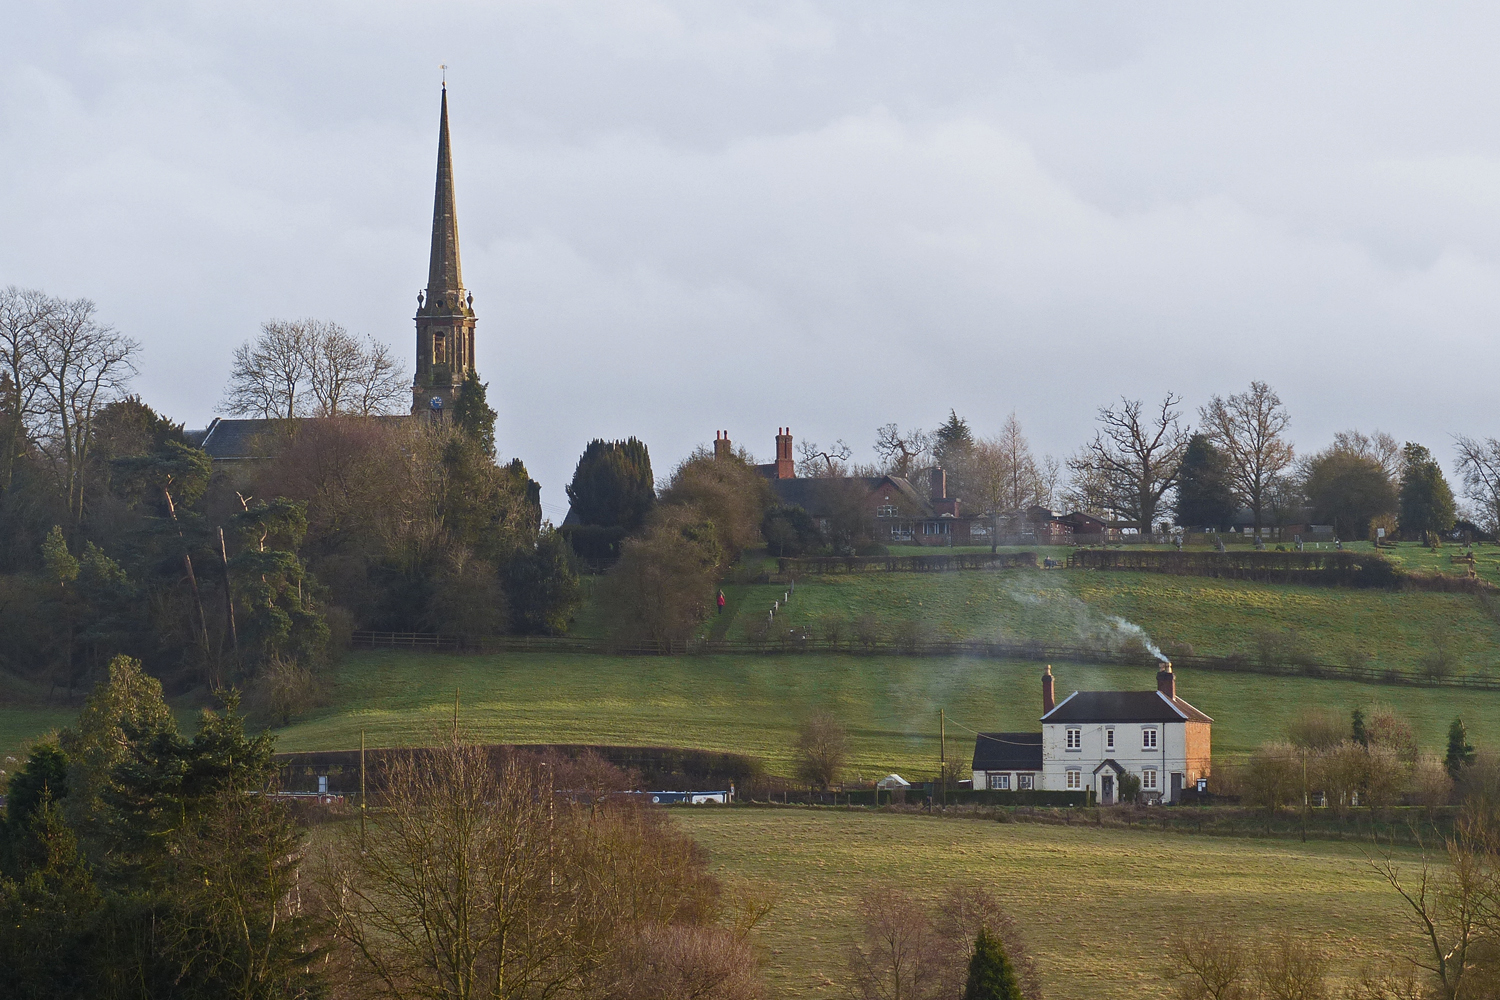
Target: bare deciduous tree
(1479,469)
(1208,962)
(1005,476)
(1290,968)
(822,746)
(686,963)
(83,365)
(963,911)
(478,880)
(1454,908)
(901,454)
(23,315)
(1378,446)
(1248,428)
(895,956)
(1133,460)
(301,367)
(268,374)
(818,463)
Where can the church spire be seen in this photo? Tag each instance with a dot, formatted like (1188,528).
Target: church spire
(444,275)
(445,312)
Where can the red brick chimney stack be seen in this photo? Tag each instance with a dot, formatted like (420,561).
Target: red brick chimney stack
(1166,681)
(785,467)
(1049,700)
(721,444)
(939,480)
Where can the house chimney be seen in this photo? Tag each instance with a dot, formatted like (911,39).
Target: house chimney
(721,444)
(785,467)
(1166,681)
(1048,700)
(939,480)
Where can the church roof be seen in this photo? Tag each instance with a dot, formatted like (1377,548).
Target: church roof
(237,439)
(444,273)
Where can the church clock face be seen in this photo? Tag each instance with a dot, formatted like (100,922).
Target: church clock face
(437,402)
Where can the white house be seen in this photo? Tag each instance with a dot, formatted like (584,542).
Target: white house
(1091,738)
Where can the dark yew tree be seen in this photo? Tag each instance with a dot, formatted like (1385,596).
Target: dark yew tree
(612,485)
(1205,497)
(1426,499)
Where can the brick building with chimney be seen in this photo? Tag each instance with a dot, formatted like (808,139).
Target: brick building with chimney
(1091,738)
(897,510)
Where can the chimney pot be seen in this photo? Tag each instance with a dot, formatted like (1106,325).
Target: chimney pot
(1166,681)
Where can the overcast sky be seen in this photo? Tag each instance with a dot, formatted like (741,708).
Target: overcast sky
(677,218)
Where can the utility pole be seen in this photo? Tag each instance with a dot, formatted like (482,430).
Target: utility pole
(1306,805)
(361,789)
(943,753)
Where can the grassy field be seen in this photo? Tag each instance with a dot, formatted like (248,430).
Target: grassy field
(1096,905)
(754,704)
(1214,617)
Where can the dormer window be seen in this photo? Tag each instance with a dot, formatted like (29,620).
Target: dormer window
(1075,739)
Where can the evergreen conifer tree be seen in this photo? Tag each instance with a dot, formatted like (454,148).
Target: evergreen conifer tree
(612,485)
(1460,750)
(1204,496)
(1358,731)
(472,414)
(991,976)
(1426,499)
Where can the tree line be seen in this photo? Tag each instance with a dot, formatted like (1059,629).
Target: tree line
(118,535)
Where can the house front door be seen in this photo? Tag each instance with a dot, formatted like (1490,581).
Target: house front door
(1106,789)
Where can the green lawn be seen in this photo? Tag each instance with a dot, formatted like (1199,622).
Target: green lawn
(1215,617)
(754,704)
(1096,904)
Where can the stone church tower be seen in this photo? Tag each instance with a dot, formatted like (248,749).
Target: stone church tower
(445,311)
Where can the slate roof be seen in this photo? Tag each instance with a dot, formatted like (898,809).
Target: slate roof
(232,439)
(236,439)
(1123,706)
(1008,752)
(811,493)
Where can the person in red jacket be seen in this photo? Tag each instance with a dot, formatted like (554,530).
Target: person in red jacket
(721,602)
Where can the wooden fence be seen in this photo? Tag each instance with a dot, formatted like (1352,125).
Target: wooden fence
(938,562)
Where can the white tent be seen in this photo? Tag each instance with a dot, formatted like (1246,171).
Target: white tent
(892,781)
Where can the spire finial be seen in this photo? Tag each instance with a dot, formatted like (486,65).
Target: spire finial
(444,68)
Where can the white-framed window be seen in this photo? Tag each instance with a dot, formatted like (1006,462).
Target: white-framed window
(901,532)
(1148,739)
(1109,739)
(1075,739)
(934,527)
(997,780)
(1075,778)
(1148,780)
(979,529)
(886,510)
(1025,782)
